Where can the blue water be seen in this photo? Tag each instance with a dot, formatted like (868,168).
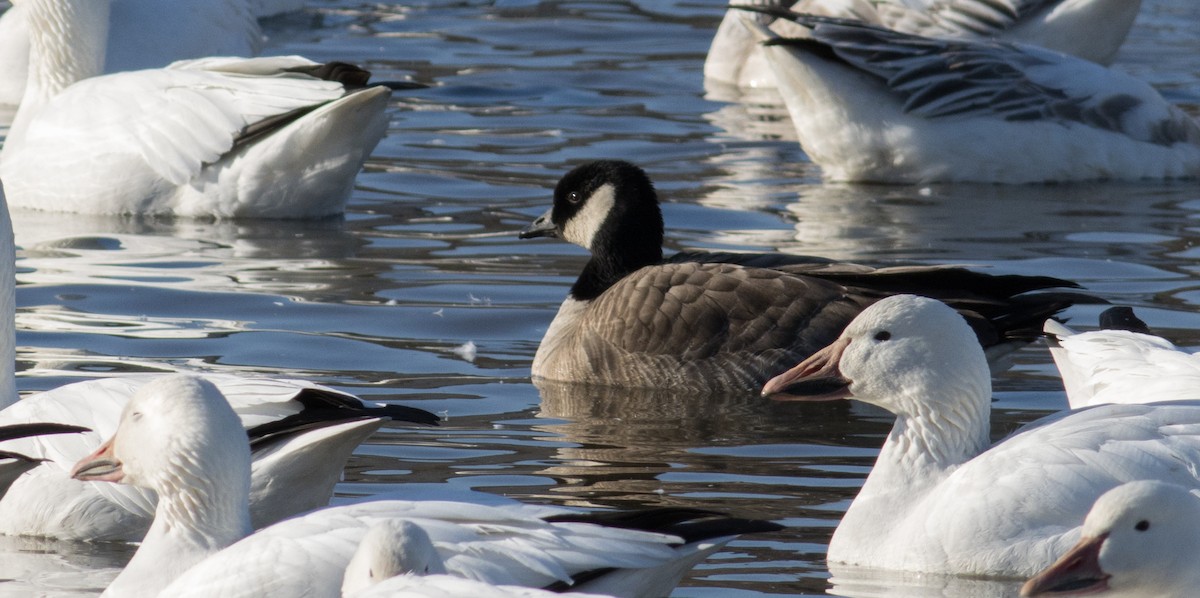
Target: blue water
(426,261)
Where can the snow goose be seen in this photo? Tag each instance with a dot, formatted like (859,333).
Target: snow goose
(397,558)
(1121,366)
(202,506)
(142,34)
(179,438)
(1140,539)
(1090,29)
(870,104)
(939,500)
(279,137)
(301,435)
(722,321)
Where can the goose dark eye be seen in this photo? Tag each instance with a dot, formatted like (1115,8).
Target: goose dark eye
(1142,525)
(574,197)
(882,335)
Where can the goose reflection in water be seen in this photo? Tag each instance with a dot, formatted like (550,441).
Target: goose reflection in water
(640,442)
(620,447)
(859,582)
(38,566)
(276,256)
(1104,223)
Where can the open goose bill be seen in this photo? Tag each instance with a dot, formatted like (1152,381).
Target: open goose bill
(814,379)
(542,227)
(100,466)
(1076,573)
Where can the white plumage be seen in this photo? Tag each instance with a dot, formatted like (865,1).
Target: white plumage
(1119,366)
(290,477)
(505,545)
(1140,539)
(217,137)
(391,548)
(939,499)
(449,586)
(142,34)
(1090,29)
(177,436)
(870,104)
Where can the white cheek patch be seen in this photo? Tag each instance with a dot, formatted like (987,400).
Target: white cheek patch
(581,229)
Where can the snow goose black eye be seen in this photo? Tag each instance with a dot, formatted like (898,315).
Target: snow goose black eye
(883,335)
(574,197)
(1142,525)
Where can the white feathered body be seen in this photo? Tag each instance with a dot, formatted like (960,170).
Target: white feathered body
(1027,495)
(507,545)
(1089,29)
(921,110)
(162,141)
(289,478)
(1119,366)
(143,34)
(939,499)
(449,586)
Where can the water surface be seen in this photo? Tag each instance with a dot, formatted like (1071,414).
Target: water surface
(423,294)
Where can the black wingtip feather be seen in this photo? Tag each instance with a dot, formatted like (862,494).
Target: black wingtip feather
(320,398)
(349,75)
(292,425)
(693,525)
(400,85)
(38,429)
(323,408)
(808,20)
(1052,340)
(20,457)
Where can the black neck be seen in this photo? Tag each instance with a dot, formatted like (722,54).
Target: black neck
(606,268)
(631,235)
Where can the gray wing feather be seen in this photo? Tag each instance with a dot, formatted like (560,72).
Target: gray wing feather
(939,78)
(960,18)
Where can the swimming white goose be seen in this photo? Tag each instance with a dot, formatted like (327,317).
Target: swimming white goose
(390,548)
(302,435)
(397,558)
(939,499)
(1121,366)
(1090,29)
(870,104)
(1139,540)
(279,137)
(178,437)
(723,321)
(142,34)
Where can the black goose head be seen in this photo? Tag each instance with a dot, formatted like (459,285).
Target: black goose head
(610,208)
